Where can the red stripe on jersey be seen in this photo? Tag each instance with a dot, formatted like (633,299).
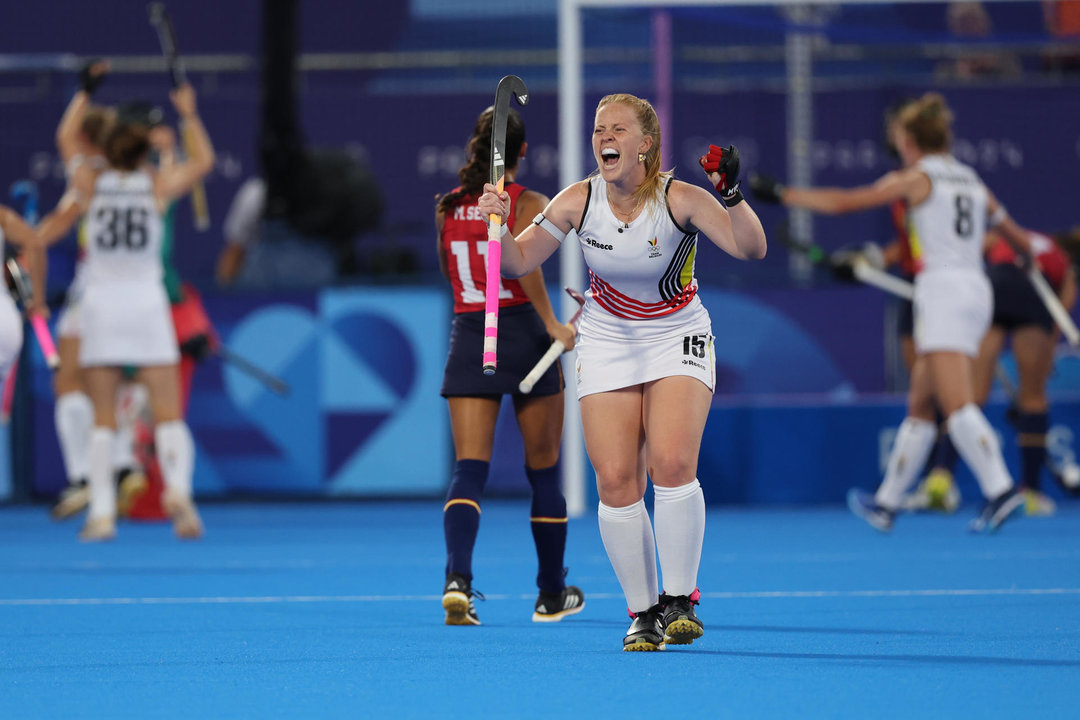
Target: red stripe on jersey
(623,306)
(464,243)
(1052,260)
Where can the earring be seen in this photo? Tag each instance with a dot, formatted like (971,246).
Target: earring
(641,157)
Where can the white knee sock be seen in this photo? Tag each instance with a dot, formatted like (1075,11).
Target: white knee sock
(914,441)
(74,417)
(176,455)
(102,487)
(679,518)
(628,539)
(977,443)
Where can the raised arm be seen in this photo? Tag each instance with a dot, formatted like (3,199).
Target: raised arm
(67,133)
(911,185)
(176,180)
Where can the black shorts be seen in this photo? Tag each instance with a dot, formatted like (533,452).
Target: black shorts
(522,342)
(1016,304)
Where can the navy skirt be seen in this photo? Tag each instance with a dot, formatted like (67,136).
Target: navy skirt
(1016,304)
(522,342)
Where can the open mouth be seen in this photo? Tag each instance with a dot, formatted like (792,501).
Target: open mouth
(610,157)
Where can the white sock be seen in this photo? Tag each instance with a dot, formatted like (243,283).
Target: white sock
(679,519)
(628,539)
(176,455)
(74,417)
(914,441)
(977,443)
(102,487)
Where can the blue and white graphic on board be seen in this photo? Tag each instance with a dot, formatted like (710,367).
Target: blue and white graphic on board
(382,357)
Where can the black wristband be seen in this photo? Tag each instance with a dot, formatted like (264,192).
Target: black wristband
(734,196)
(88,81)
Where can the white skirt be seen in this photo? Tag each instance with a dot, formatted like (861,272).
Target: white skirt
(11,333)
(126,324)
(638,354)
(953,310)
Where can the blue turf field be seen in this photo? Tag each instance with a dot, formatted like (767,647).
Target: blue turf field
(332,610)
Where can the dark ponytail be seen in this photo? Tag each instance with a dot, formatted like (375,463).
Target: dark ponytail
(477,168)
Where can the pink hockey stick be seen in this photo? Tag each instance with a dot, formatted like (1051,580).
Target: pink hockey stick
(511,85)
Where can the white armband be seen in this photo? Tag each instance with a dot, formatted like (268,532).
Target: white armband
(549,227)
(998,216)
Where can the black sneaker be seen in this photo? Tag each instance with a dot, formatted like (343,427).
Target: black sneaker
(646,632)
(862,504)
(997,511)
(681,624)
(553,608)
(457,600)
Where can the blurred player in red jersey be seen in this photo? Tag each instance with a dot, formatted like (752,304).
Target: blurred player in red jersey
(1020,314)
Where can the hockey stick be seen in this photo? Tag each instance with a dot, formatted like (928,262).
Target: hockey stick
(1054,306)
(553,352)
(273,382)
(859,267)
(511,85)
(160,20)
(26,191)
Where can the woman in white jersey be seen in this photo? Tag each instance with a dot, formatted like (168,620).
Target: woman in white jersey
(645,365)
(949,210)
(14,229)
(124,316)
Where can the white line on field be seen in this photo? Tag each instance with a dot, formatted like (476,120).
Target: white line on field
(296,599)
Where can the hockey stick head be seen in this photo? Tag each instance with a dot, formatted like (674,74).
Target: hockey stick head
(581,304)
(509,86)
(159,18)
(26,192)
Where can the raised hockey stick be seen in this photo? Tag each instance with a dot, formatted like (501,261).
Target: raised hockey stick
(162,23)
(511,85)
(553,352)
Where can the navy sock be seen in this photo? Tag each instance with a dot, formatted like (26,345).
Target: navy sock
(1031,437)
(945,455)
(461,514)
(548,521)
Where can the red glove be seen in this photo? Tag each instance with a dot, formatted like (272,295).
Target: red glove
(725,163)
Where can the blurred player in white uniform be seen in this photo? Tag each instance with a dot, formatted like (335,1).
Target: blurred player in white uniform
(949,210)
(82,131)
(645,363)
(124,316)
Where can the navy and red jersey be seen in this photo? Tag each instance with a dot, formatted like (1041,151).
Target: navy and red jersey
(1051,258)
(464,241)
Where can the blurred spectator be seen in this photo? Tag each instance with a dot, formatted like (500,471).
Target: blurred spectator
(1062,20)
(971,21)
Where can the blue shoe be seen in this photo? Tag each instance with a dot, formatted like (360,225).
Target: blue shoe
(997,511)
(862,504)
